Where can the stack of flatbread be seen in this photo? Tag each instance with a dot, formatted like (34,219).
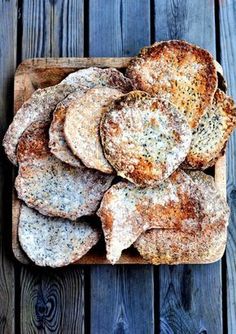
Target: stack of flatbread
(157,128)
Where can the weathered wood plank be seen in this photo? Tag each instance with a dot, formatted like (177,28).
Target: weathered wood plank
(227,11)
(8,30)
(121,296)
(118,28)
(53,28)
(118,302)
(52,302)
(190,296)
(191,20)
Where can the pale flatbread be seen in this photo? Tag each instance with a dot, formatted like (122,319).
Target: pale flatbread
(52,187)
(81,127)
(95,76)
(57,143)
(181,72)
(144,138)
(54,242)
(83,79)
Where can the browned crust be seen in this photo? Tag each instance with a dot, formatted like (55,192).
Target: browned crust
(161,246)
(207,79)
(33,143)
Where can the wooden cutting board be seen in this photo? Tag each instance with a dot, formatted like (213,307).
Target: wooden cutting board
(43,72)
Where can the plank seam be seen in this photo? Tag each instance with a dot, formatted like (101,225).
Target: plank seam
(223,261)
(86,28)
(217,30)
(19,31)
(87,298)
(152,21)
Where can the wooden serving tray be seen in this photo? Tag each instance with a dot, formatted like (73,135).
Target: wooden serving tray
(42,72)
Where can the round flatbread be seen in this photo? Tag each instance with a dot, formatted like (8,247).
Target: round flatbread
(95,76)
(54,242)
(52,187)
(210,137)
(57,143)
(177,204)
(81,127)
(144,138)
(181,72)
(37,108)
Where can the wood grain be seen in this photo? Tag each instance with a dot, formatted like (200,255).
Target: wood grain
(52,302)
(8,19)
(118,28)
(118,303)
(227,10)
(184,307)
(127,304)
(53,28)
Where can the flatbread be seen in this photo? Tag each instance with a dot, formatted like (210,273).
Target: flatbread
(181,72)
(54,242)
(210,137)
(95,76)
(160,246)
(215,203)
(144,138)
(205,244)
(37,108)
(43,101)
(83,79)
(57,143)
(52,187)
(126,211)
(81,127)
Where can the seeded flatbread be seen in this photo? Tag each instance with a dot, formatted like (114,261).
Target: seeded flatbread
(95,76)
(210,137)
(205,244)
(144,138)
(181,72)
(54,242)
(81,127)
(126,211)
(37,108)
(57,143)
(52,187)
